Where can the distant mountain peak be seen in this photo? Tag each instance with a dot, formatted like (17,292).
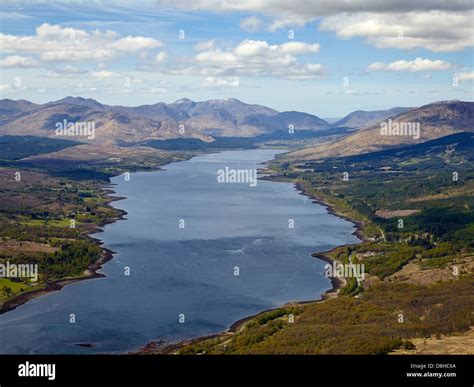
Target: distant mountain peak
(70,98)
(447,102)
(183,100)
(363,118)
(89,102)
(436,120)
(225,100)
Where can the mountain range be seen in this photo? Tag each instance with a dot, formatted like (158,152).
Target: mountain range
(207,121)
(132,125)
(434,120)
(362,118)
(184,118)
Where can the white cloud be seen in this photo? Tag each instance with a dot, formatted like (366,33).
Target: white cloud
(254,58)
(250,48)
(318,8)
(135,43)
(161,57)
(213,82)
(436,25)
(56,43)
(66,71)
(103,74)
(4,88)
(295,48)
(288,20)
(434,30)
(206,45)
(154,90)
(419,64)
(18,61)
(465,76)
(261,47)
(71,70)
(251,24)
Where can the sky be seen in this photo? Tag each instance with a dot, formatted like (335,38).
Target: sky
(322,57)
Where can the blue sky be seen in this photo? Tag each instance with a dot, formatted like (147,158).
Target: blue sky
(311,56)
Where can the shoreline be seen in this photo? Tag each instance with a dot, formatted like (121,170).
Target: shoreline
(160,347)
(91,272)
(359,226)
(107,254)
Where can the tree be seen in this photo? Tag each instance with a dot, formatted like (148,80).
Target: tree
(7,290)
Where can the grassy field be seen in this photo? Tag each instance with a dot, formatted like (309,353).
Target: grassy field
(35,227)
(14,287)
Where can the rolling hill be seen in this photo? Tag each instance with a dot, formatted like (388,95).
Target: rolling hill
(362,118)
(433,120)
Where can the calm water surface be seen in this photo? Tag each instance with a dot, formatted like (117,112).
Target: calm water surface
(186,271)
